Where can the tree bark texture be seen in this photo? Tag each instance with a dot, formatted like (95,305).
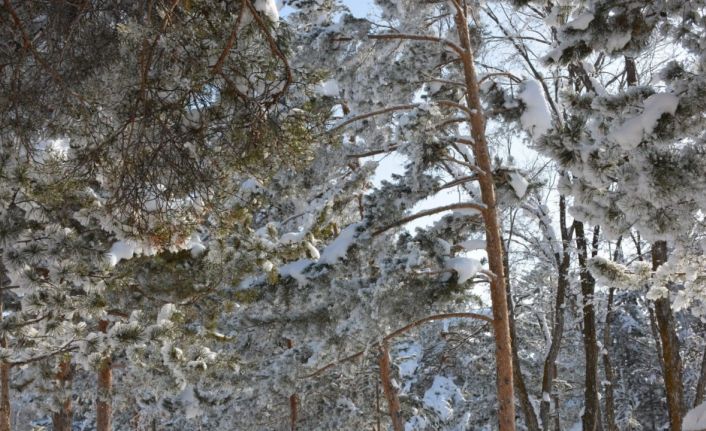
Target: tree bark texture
(393,401)
(104,405)
(498,294)
(591,413)
(522,393)
(673,383)
(62,420)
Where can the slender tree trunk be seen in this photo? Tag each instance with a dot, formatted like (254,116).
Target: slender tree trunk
(591,412)
(498,293)
(5,424)
(607,342)
(63,419)
(701,385)
(522,394)
(393,402)
(549,369)
(293,400)
(557,334)
(104,405)
(666,326)
(608,367)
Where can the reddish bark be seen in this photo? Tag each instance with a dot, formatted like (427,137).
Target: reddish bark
(498,294)
(62,420)
(393,401)
(673,383)
(104,405)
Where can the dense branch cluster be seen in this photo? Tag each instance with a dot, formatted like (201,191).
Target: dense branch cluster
(447,215)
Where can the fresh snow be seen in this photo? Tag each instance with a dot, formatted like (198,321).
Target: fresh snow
(329,88)
(339,247)
(695,420)
(296,270)
(536,118)
(518,183)
(292,238)
(617,42)
(629,134)
(269,8)
(122,250)
(465,267)
(581,22)
(441,395)
(473,244)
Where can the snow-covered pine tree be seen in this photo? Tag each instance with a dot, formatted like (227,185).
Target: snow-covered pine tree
(635,153)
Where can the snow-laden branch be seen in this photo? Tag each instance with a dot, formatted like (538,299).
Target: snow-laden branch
(460,206)
(421,37)
(399,332)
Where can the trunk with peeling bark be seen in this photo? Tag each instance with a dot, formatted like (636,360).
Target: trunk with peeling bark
(673,383)
(62,420)
(104,407)
(591,413)
(498,293)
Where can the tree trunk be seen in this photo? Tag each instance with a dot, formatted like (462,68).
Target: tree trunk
(5,424)
(104,407)
(591,411)
(701,385)
(608,367)
(522,394)
(607,342)
(673,383)
(293,400)
(549,369)
(5,397)
(498,294)
(393,402)
(63,419)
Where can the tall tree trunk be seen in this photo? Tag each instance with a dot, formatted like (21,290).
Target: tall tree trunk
(701,385)
(591,413)
(522,394)
(549,370)
(63,419)
(5,424)
(673,382)
(393,402)
(293,400)
(608,367)
(498,293)
(104,405)
(607,342)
